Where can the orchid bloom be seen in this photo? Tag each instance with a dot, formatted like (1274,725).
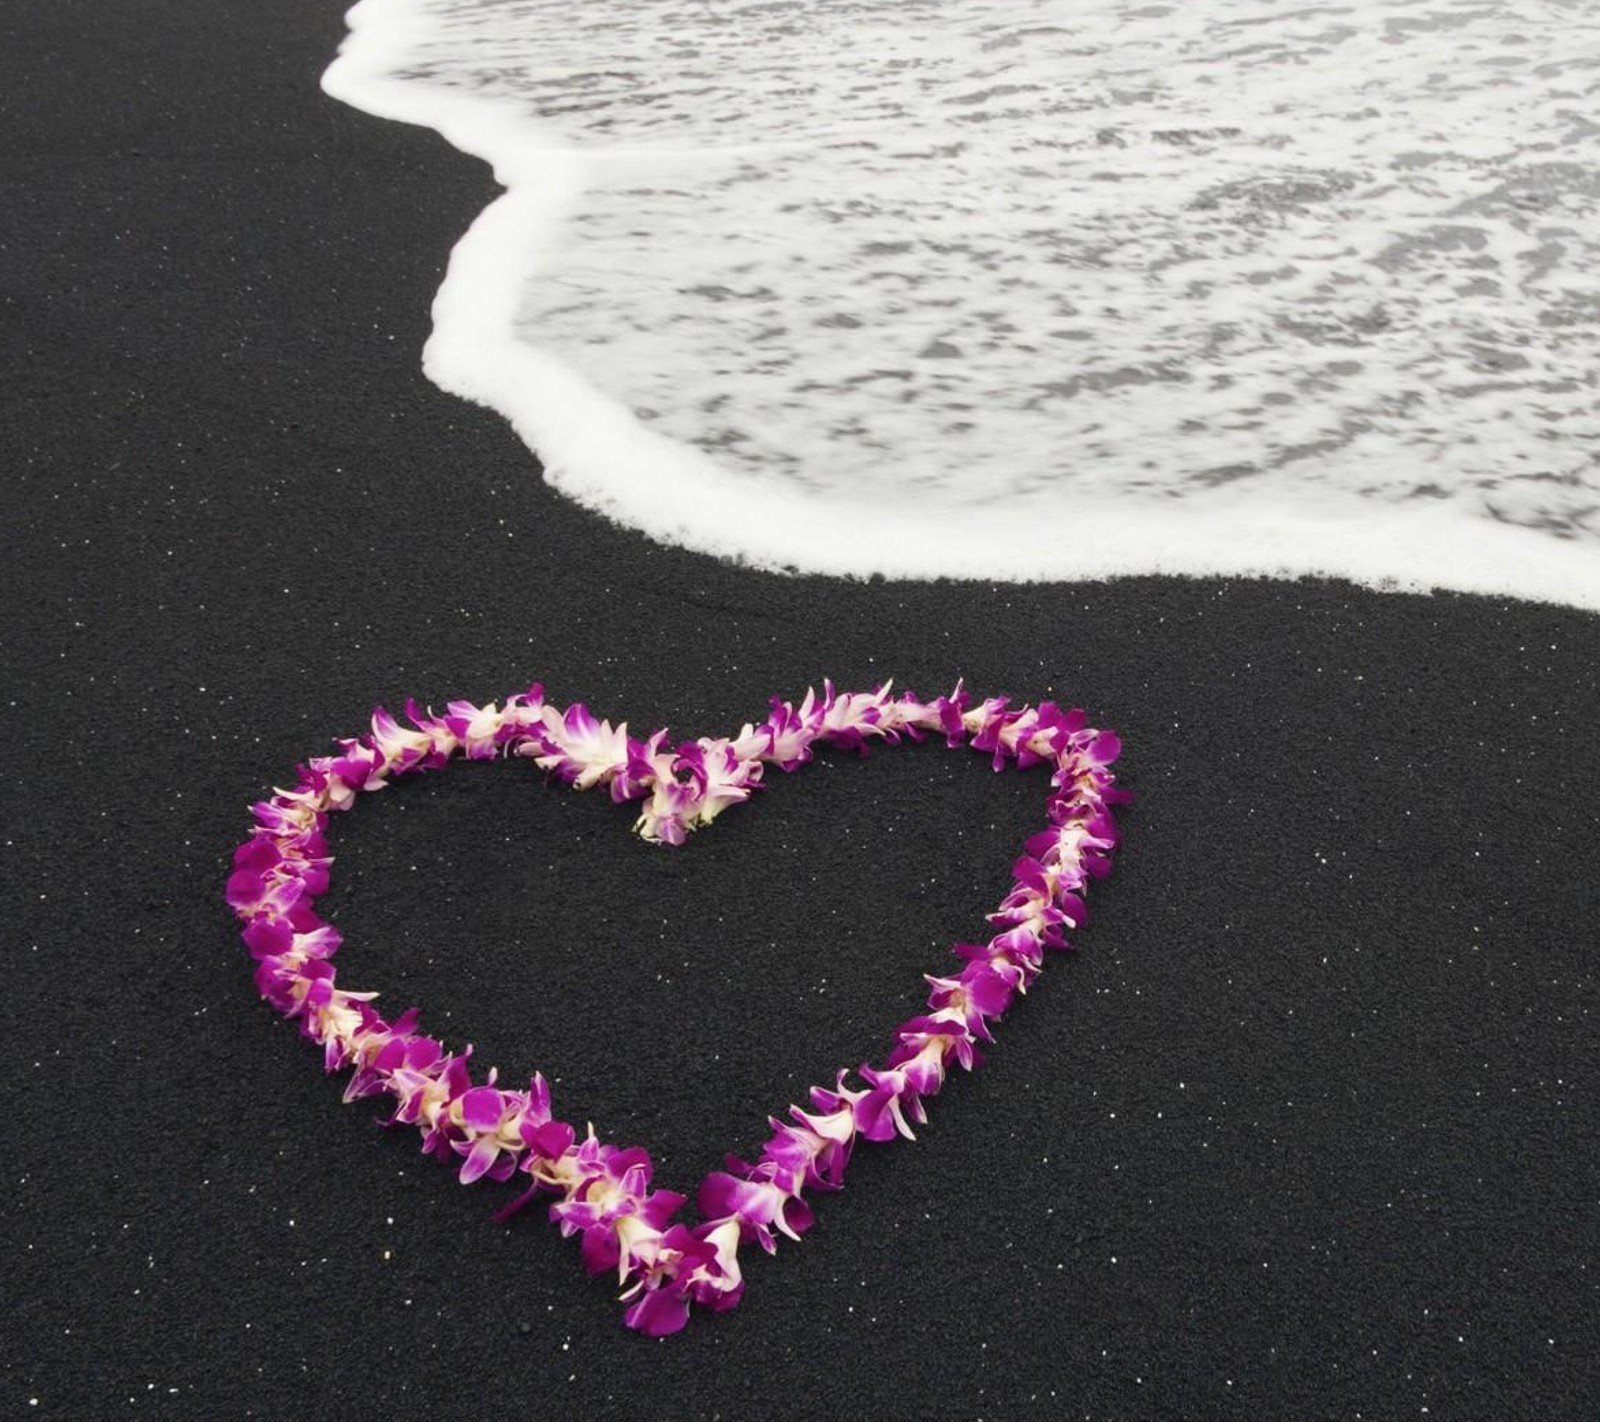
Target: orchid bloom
(663,1265)
(491,1122)
(720,778)
(578,748)
(475,727)
(719,1284)
(399,749)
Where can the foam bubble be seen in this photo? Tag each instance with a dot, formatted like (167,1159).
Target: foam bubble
(1031,290)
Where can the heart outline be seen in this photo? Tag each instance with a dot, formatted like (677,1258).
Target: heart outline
(283,867)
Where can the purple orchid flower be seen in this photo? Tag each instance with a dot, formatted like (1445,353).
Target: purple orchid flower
(646,763)
(977,993)
(813,1151)
(577,748)
(719,777)
(377,1048)
(759,1202)
(880,1113)
(400,750)
(664,1265)
(490,1121)
(790,732)
(441,739)
(852,718)
(475,728)
(717,1283)
(608,1197)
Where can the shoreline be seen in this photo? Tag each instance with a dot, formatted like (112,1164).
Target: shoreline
(599,454)
(1303,1128)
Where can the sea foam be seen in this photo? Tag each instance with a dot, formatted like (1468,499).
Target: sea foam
(1030,289)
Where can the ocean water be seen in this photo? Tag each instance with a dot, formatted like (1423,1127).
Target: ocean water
(1035,288)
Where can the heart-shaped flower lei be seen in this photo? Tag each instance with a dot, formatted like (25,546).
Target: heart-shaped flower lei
(603,1191)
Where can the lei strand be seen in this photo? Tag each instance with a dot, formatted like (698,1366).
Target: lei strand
(603,1191)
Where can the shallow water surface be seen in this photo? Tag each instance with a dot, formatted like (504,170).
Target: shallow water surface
(1028,288)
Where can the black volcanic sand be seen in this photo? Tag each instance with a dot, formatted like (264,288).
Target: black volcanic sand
(1307,1128)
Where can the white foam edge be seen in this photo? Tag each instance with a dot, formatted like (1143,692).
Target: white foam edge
(596,451)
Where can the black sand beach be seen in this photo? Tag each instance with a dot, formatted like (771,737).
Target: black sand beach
(1307,1129)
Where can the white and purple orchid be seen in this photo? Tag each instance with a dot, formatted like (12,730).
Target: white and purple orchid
(600,1191)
